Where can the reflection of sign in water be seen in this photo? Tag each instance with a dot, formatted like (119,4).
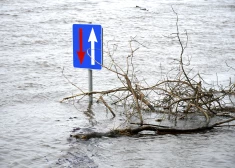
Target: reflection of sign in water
(87,46)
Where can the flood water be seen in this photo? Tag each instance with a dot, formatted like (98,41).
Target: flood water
(36,44)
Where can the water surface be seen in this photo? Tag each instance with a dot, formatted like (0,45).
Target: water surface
(36,44)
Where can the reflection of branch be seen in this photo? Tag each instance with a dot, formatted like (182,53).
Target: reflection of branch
(89,113)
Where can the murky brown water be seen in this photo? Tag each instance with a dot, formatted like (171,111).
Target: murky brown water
(36,44)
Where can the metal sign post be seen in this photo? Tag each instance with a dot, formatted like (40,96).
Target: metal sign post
(88,50)
(90,86)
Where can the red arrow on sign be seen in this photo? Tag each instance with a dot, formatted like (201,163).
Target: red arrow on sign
(80,53)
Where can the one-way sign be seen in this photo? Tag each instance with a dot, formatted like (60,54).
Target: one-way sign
(87,46)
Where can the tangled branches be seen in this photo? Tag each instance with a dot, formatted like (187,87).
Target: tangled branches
(176,97)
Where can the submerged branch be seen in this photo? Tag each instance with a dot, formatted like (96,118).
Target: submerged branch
(148,127)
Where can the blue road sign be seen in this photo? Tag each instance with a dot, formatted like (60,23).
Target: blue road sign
(87,46)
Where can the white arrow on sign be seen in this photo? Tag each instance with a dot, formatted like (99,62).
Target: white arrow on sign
(92,39)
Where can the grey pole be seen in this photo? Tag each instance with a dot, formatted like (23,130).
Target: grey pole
(90,85)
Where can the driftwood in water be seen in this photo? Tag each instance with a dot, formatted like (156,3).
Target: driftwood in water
(135,131)
(156,128)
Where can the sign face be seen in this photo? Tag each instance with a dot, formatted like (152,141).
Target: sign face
(87,46)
